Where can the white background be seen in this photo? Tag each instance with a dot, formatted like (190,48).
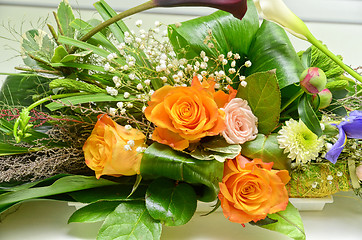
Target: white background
(336,23)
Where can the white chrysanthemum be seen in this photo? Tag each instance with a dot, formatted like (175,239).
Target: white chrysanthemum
(300,142)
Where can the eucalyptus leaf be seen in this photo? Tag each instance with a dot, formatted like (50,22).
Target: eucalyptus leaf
(263,96)
(267,149)
(288,222)
(130,220)
(308,116)
(203,175)
(66,16)
(215,148)
(94,212)
(172,203)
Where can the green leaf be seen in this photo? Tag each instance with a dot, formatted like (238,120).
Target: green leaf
(289,223)
(110,193)
(267,149)
(63,185)
(215,148)
(8,149)
(66,16)
(272,49)
(59,54)
(203,175)
(229,33)
(100,97)
(94,212)
(130,220)
(263,96)
(73,57)
(308,116)
(172,203)
(84,27)
(79,65)
(306,58)
(17,90)
(38,44)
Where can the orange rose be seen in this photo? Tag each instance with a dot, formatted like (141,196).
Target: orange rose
(111,149)
(251,190)
(184,115)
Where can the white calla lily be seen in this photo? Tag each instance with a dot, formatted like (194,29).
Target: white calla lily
(277,12)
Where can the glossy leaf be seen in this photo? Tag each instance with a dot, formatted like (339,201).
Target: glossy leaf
(66,16)
(308,116)
(170,202)
(100,97)
(130,220)
(63,185)
(272,49)
(229,33)
(215,148)
(59,53)
(94,212)
(8,149)
(18,89)
(289,223)
(263,96)
(203,175)
(267,149)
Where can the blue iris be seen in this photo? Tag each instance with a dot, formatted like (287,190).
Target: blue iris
(350,128)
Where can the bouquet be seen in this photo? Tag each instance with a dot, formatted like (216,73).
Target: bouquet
(142,125)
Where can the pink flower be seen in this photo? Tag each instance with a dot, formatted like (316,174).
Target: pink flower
(241,124)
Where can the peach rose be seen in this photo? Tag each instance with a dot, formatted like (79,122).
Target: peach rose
(249,191)
(111,149)
(240,122)
(184,115)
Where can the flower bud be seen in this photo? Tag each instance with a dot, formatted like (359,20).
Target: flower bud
(313,80)
(325,98)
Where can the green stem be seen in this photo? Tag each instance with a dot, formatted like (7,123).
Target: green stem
(37,103)
(325,50)
(127,13)
(292,99)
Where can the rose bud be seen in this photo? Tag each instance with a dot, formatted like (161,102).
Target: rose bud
(325,98)
(313,80)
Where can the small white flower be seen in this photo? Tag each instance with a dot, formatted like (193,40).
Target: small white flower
(242,78)
(164,79)
(127,147)
(339,174)
(203,65)
(229,55)
(243,83)
(221,57)
(107,67)
(329,178)
(140,149)
(126,95)
(129,105)
(139,86)
(144,108)
(131,143)
(139,23)
(120,105)
(236,56)
(111,91)
(123,111)
(147,82)
(128,127)
(314,184)
(112,111)
(206,59)
(233,63)
(232,70)
(247,64)
(157,23)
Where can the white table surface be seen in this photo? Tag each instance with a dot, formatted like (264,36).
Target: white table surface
(47,220)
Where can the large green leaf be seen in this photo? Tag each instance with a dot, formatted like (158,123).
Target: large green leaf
(162,161)
(130,220)
(66,16)
(8,149)
(18,90)
(229,33)
(263,96)
(289,223)
(267,149)
(272,49)
(170,202)
(63,185)
(308,116)
(94,212)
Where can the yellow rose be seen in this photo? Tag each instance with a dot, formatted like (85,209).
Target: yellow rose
(111,149)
